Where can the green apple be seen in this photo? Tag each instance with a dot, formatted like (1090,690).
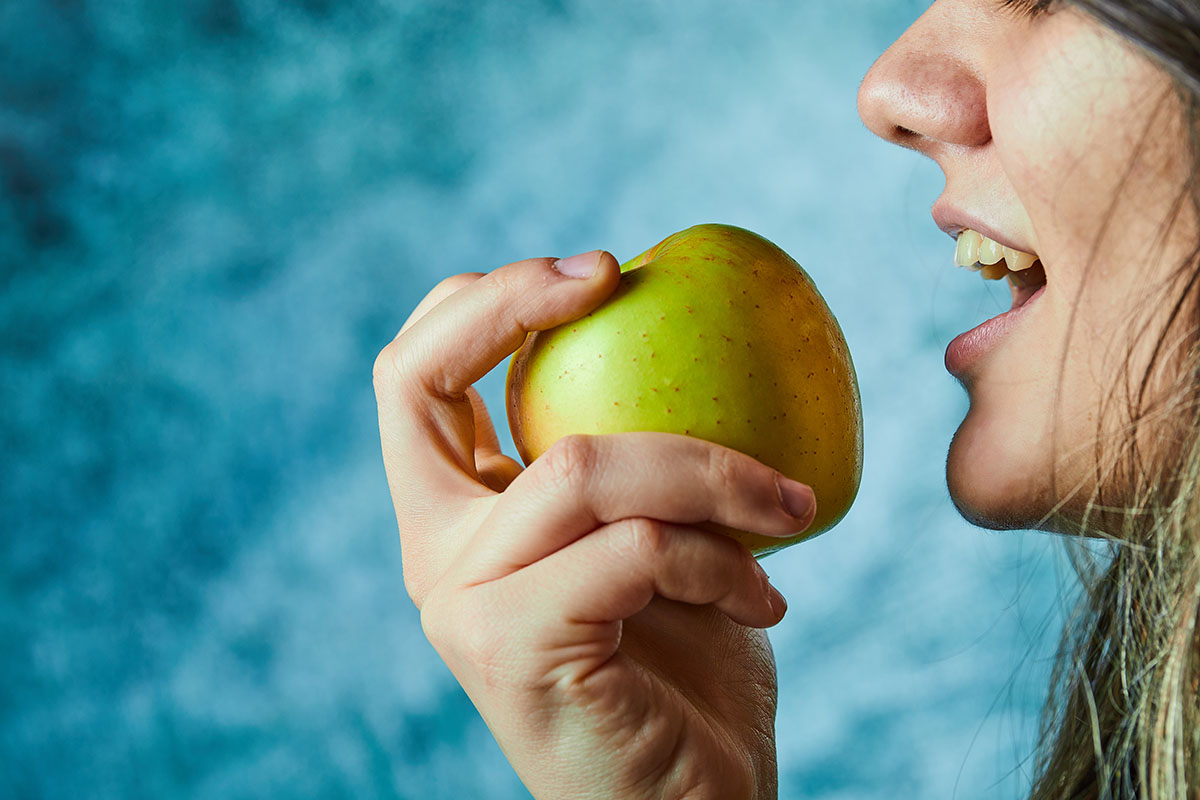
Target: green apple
(715,333)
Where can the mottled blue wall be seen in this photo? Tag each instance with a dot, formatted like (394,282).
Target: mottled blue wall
(214,213)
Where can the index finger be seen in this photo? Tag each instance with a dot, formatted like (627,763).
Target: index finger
(422,376)
(439,293)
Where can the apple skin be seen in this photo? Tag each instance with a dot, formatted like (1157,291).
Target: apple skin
(715,333)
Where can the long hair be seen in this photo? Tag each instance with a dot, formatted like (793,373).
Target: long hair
(1122,718)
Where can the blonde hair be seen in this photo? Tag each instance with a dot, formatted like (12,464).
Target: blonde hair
(1122,719)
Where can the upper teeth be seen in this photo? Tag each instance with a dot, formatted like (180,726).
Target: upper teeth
(978,252)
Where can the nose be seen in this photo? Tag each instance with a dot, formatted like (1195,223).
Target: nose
(926,92)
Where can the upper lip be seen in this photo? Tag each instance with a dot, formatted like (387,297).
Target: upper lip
(953,221)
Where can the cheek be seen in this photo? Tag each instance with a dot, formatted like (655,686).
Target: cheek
(1069,111)
(1098,174)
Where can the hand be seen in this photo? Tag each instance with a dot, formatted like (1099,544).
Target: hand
(612,648)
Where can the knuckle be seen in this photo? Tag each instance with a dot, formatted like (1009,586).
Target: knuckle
(513,288)
(448,286)
(510,281)
(569,461)
(388,363)
(725,468)
(503,281)
(386,370)
(394,367)
(398,370)
(646,539)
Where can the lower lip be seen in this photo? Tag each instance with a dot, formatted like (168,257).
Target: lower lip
(968,348)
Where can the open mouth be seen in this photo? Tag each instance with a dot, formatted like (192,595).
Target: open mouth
(994,261)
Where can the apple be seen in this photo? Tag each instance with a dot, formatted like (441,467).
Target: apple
(715,333)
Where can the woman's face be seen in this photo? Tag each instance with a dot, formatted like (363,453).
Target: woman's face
(1058,139)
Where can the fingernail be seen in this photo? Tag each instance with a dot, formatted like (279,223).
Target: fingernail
(796,498)
(580,266)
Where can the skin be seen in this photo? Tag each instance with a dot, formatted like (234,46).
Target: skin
(613,647)
(1037,133)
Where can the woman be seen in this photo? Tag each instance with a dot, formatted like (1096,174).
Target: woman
(615,650)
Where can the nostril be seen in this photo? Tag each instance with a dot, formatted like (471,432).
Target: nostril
(919,96)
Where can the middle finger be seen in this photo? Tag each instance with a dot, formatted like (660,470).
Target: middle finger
(584,482)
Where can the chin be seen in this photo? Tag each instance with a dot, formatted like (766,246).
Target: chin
(993,479)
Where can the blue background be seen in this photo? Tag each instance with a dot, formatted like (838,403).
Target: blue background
(212,216)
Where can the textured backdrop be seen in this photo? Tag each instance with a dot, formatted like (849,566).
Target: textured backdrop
(213,213)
